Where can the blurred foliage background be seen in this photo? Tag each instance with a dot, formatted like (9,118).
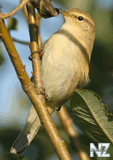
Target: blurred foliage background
(14,104)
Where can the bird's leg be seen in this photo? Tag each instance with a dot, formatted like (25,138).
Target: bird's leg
(40,51)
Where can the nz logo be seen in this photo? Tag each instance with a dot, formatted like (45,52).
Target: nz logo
(99,151)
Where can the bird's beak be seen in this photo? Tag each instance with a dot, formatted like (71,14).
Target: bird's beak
(64,12)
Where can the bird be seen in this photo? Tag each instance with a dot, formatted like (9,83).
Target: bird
(64,66)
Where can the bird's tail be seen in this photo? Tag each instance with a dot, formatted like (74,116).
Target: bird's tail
(29,131)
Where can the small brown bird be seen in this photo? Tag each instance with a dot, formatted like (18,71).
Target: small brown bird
(65,67)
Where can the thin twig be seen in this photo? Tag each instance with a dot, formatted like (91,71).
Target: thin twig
(20,41)
(7,15)
(25,11)
(68,125)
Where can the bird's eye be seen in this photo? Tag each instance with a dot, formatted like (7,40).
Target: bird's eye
(80,18)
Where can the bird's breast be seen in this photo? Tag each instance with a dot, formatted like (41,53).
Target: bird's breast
(61,68)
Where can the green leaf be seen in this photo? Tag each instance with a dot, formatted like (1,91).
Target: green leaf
(12,23)
(93,115)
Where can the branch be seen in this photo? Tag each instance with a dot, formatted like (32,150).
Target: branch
(46,118)
(38,17)
(34,47)
(36,99)
(68,125)
(4,16)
